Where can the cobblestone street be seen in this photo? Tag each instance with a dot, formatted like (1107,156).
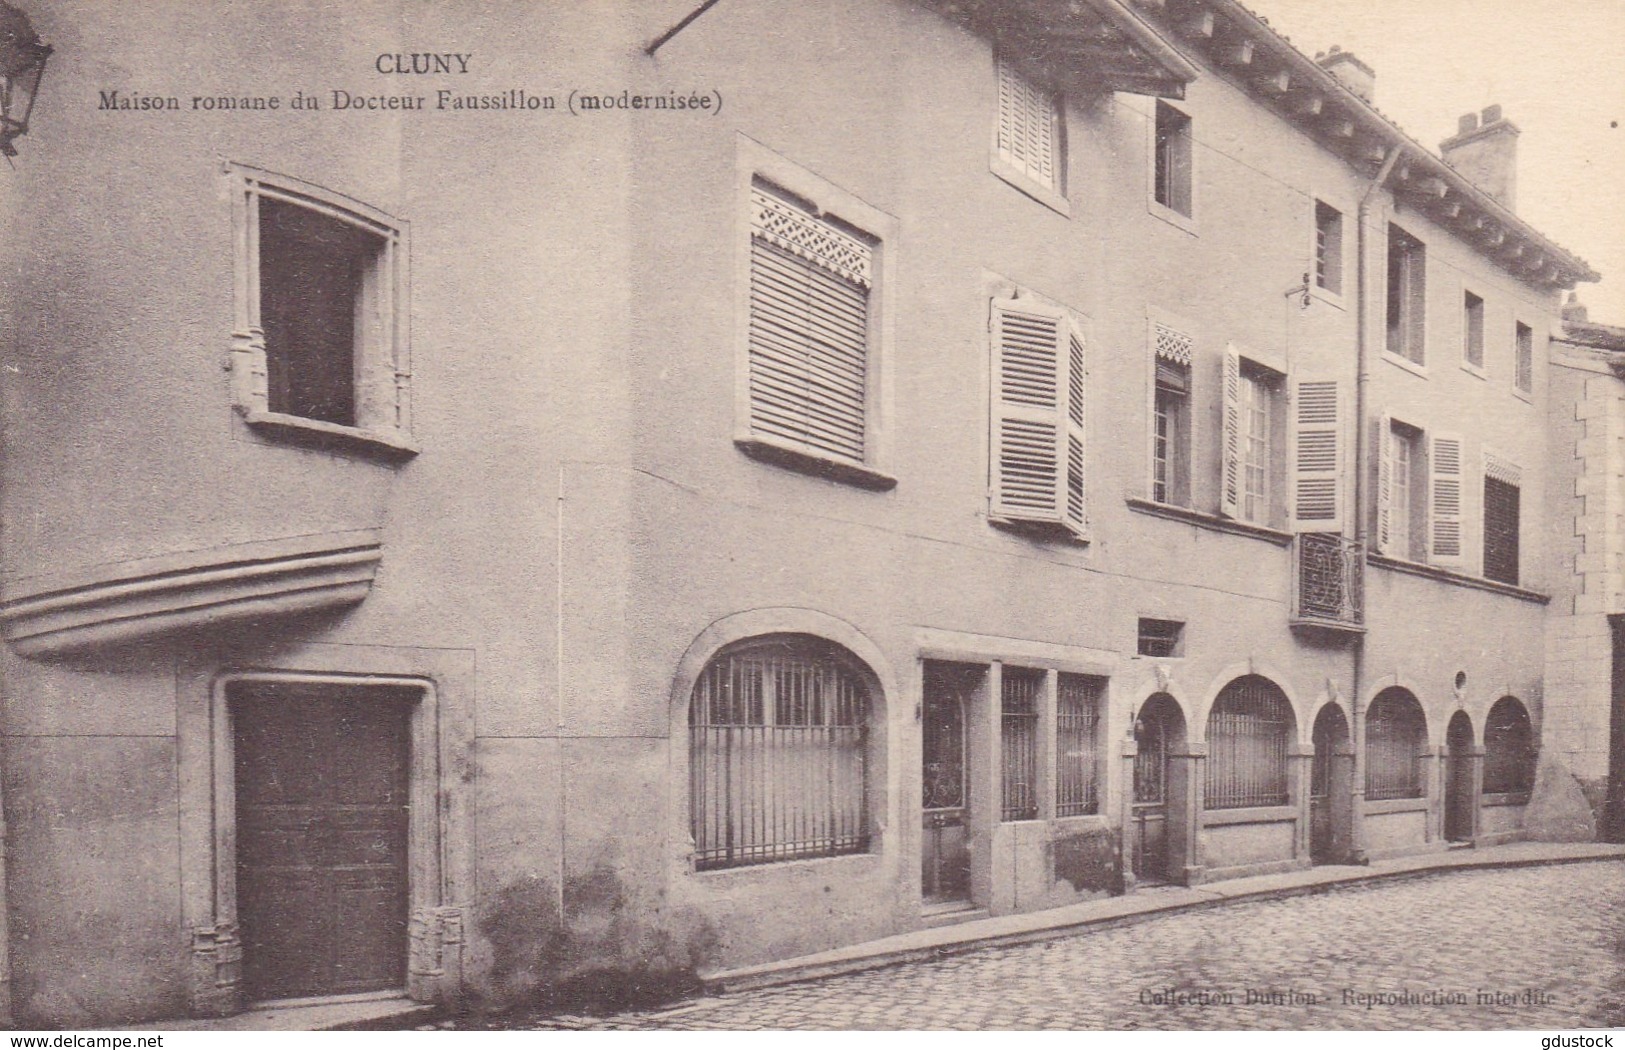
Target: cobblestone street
(1540,947)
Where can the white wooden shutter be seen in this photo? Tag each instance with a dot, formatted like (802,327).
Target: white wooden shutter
(1027,119)
(1030,432)
(1317,465)
(809,340)
(1445,500)
(1230,446)
(1074,508)
(1382,443)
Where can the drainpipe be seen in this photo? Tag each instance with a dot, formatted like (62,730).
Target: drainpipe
(1362,466)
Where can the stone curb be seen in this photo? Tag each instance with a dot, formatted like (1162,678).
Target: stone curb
(1031,927)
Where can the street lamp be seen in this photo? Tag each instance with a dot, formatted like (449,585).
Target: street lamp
(22,64)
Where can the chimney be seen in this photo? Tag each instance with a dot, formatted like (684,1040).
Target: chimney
(1349,71)
(1485,150)
(1574,311)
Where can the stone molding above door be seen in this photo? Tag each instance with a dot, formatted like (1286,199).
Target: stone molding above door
(131,601)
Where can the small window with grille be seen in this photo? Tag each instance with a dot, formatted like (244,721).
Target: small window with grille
(1019,743)
(1161,637)
(1077,719)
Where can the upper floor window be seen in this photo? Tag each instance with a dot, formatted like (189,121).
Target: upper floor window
(1251,452)
(1501,519)
(1472,330)
(1030,136)
(1524,366)
(1172,175)
(1401,503)
(320,343)
(1407,295)
(778,753)
(810,395)
(1171,415)
(1037,468)
(1328,248)
(1164,638)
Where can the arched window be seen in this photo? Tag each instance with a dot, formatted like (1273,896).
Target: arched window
(778,758)
(1395,737)
(1509,749)
(1248,733)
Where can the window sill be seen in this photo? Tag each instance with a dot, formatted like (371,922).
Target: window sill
(1020,180)
(1249,815)
(1204,520)
(321,433)
(1327,296)
(768,867)
(1171,217)
(1475,370)
(802,461)
(1509,798)
(1375,807)
(1434,572)
(1521,394)
(1406,363)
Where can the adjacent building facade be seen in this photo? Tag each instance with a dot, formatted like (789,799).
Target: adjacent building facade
(986,456)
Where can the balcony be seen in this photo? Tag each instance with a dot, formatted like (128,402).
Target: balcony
(1328,582)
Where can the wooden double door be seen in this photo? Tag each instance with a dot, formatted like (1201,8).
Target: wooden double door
(322,827)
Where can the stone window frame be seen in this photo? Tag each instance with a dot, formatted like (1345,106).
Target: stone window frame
(382,358)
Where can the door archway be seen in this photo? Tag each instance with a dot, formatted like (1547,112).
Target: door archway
(1460,794)
(1157,825)
(1331,785)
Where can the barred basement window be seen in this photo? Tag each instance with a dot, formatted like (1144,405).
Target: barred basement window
(1248,733)
(809,335)
(778,754)
(1395,737)
(1019,743)
(1509,749)
(1077,715)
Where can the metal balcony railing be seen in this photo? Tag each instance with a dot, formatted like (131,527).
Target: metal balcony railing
(1328,581)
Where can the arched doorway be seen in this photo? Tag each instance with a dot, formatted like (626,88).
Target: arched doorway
(1157,827)
(1330,788)
(1460,801)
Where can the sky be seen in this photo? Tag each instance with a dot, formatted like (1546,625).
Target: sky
(1557,68)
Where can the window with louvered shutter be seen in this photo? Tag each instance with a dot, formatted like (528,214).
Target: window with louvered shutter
(1317,504)
(1030,129)
(1444,503)
(809,340)
(1170,414)
(1037,440)
(1501,519)
(1400,513)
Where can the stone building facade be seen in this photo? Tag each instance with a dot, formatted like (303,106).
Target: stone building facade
(686,492)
